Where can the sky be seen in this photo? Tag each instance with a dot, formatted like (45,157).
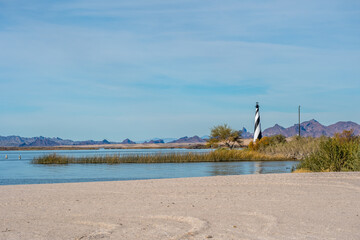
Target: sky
(109,69)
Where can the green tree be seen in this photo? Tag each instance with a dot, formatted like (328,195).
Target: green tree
(223,134)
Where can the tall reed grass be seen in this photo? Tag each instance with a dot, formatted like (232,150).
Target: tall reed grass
(341,153)
(214,156)
(296,148)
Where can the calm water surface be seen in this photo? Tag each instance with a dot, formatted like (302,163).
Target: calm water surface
(20,171)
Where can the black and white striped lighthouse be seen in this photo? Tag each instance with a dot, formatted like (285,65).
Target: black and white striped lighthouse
(257,128)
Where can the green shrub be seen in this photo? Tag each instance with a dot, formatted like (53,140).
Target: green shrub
(340,153)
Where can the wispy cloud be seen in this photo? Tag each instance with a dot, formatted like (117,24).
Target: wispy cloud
(138,64)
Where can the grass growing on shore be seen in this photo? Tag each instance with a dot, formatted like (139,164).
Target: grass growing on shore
(296,148)
(214,156)
(324,154)
(340,153)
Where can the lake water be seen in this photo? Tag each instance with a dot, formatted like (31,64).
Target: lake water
(14,170)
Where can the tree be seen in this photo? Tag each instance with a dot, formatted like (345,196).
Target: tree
(223,134)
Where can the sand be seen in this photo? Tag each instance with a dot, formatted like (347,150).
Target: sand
(273,206)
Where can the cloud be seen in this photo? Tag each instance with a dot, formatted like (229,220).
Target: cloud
(156,63)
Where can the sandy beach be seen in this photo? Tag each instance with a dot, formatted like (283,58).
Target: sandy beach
(272,206)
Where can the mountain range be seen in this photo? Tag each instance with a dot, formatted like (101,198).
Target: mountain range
(312,128)
(17,141)
(308,128)
(186,139)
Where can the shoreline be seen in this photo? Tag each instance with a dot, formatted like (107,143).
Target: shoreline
(118,146)
(269,206)
(108,146)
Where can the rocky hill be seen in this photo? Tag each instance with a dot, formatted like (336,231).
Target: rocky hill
(246,134)
(154,141)
(40,142)
(312,128)
(90,142)
(194,139)
(17,141)
(340,126)
(128,141)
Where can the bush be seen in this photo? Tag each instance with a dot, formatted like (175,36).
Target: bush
(340,153)
(224,135)
(296,148)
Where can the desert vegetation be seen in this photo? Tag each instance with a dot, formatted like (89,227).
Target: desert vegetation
(324,154)
(221,155)
(224,135)
(340,153)
(295,148)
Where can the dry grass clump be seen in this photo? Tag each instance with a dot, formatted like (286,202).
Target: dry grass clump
(295,148)
(222,155)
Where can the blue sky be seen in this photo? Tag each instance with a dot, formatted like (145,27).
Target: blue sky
(96,69)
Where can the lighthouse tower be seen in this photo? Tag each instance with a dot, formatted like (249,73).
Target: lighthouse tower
(257,128)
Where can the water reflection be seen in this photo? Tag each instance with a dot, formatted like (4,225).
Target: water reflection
(258,168)
(224,169)
(251,167)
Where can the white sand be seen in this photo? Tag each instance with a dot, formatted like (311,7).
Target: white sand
(274,206)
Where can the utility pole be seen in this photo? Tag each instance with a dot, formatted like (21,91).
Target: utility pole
(299,121)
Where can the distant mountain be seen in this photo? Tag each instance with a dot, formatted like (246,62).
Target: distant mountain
(340,126)
(91,142)
(194,139)
(154,141)
(16,141)
(167,140)
(246,134)
(312,128)
(205,137)
(13,141)
(41,141)
(308,128)
(128,141)
(63,141)
(275,130)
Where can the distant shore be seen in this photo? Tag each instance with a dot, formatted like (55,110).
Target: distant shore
(267,206)
(109,146)
(117,146)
